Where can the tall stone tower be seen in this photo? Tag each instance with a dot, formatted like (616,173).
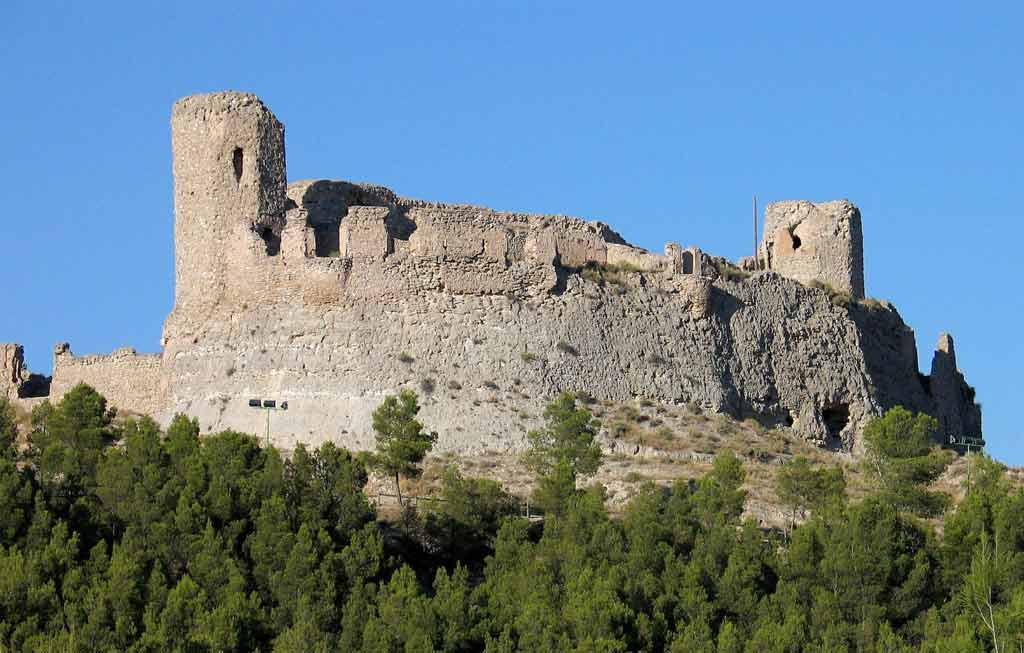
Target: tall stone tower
(816,242)
(229,190)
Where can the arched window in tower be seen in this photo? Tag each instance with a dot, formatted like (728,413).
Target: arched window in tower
(237,158)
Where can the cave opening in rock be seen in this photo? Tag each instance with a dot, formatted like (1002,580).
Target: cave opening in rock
(836,417)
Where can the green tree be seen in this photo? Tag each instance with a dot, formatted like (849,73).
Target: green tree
(16,491)
(402,442)
(903,459)
(980,595)
(8,429)
(800,487)
(563,451)
(719,497)
(468,517)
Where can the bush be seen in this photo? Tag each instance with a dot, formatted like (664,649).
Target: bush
(527,357)
(566,348)
(469,514)
(729,272)
(427,386)
(405,358)
(839,298)
(656,359)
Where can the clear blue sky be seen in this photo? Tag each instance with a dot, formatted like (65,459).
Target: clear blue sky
(661,120)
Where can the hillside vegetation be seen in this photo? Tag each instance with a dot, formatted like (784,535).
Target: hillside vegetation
(117,536)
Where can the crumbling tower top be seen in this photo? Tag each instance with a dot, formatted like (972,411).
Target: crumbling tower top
(229,188)
(816,242)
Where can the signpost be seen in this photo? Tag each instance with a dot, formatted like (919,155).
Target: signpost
(268,405)
(965,443)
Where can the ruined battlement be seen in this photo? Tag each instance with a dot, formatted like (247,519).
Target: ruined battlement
(815,242)
(331,294)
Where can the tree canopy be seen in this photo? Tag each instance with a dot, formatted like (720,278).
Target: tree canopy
(402,442)
(563,451)
(176,542)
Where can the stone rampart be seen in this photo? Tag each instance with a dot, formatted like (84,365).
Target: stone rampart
(127,379)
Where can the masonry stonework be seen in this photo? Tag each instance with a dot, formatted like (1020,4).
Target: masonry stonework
(330,294)
(816,242)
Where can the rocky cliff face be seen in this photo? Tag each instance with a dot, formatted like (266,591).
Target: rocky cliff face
(768,348)
(341,293)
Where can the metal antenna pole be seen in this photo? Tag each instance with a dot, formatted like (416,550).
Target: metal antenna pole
(756,261)
(968,470)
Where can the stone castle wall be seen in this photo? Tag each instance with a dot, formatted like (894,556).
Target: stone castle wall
(330,294)
(127,379)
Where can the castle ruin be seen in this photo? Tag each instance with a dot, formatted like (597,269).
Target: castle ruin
(331,294)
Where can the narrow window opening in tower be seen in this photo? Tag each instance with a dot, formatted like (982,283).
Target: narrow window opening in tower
(271,240)
(236,161)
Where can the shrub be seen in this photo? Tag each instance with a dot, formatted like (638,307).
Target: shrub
(730,272)
(527,357)
(566,348)
(405,358)
(454,385)
(585,398)
(839,298)
(427,386)
(618,429)
(665,433)
(655,359)
(726,426)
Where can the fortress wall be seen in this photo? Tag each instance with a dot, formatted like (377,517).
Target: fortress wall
(635,258)
(127,379)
